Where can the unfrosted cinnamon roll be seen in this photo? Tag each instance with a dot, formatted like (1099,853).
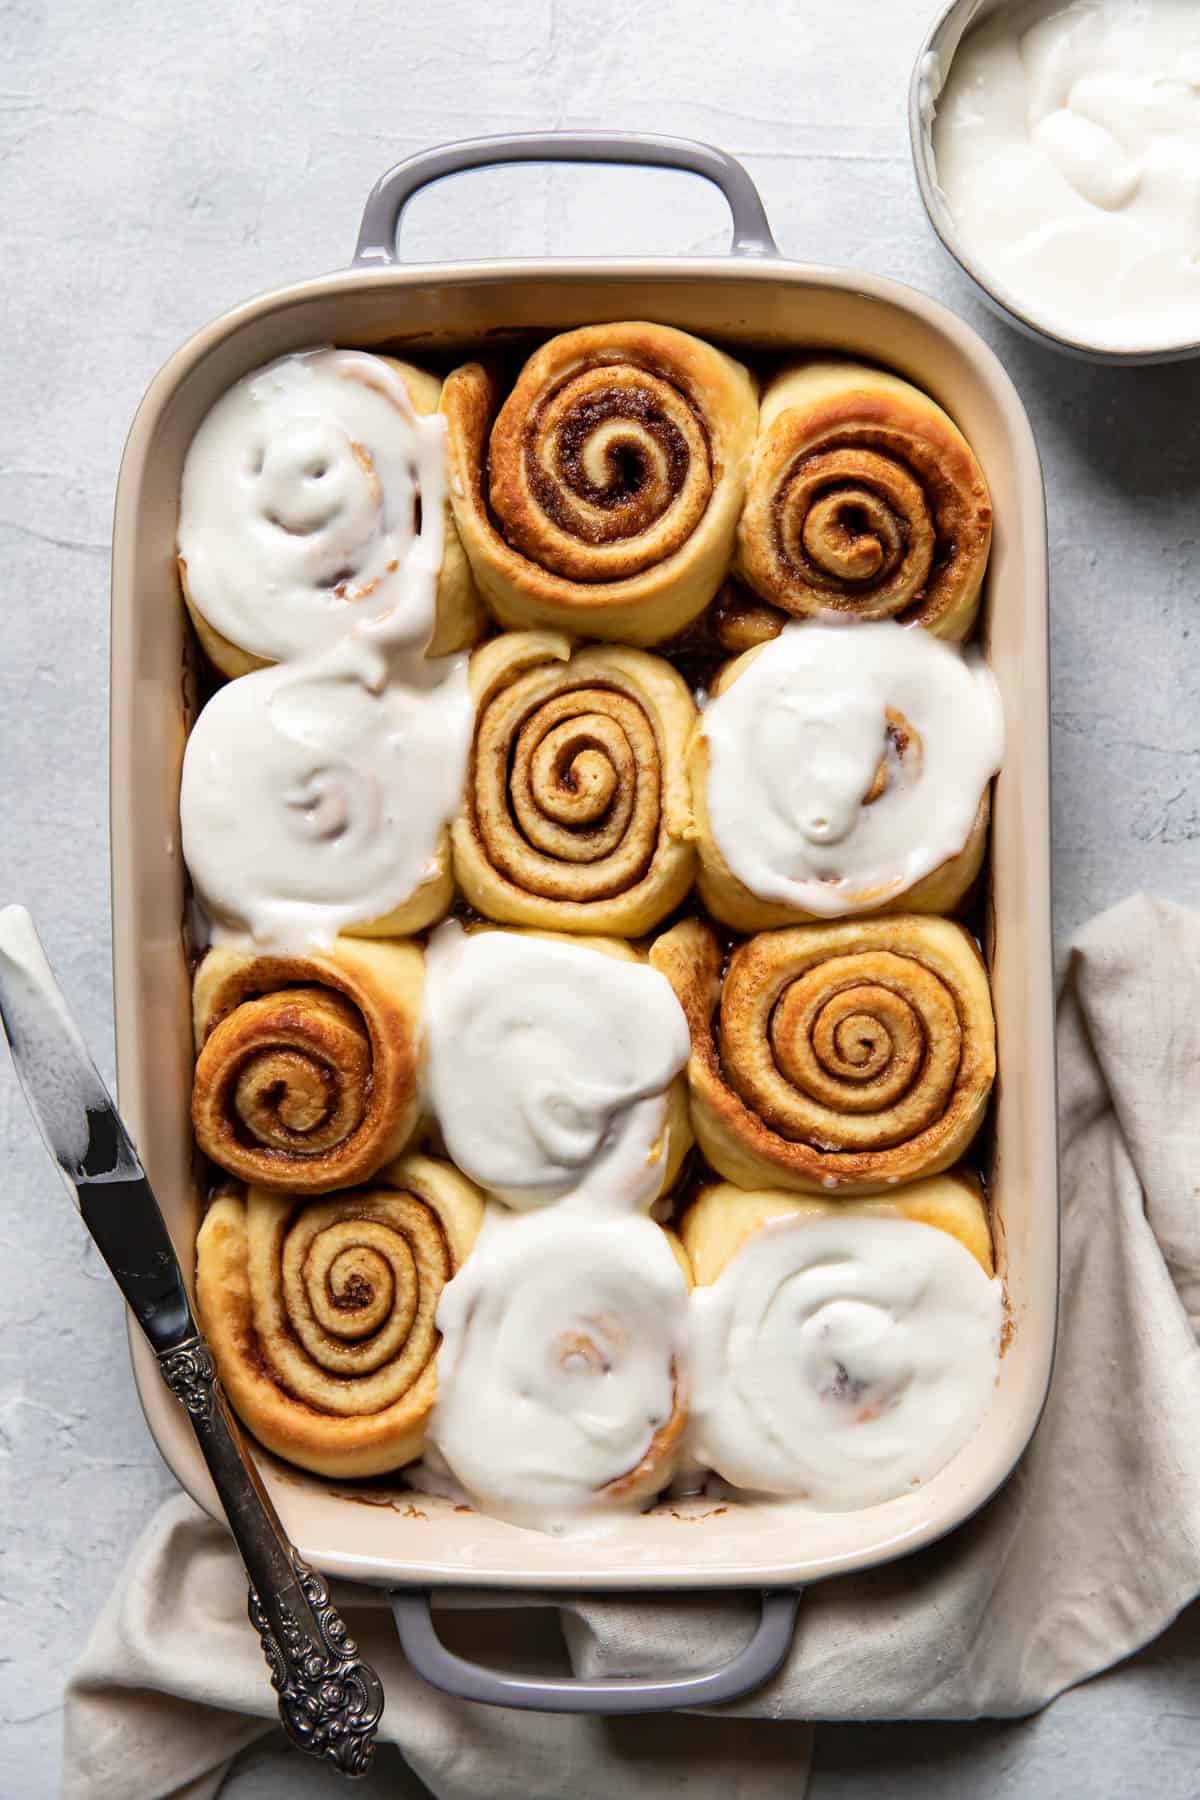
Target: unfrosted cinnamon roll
(602,495)
(307,1066)
(577,810)
(723,1217)
(865,499)
(313,499)
(321,1313)
(841,771)
(563,1372)
(844,1058)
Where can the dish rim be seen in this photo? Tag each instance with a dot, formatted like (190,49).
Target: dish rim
(955,20)
(609,273)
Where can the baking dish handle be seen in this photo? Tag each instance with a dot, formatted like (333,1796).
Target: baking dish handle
(393,191)
(453,1674)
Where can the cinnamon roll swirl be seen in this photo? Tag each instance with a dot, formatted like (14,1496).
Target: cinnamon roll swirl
(321,1313)
(602,495)
(307,1066)
(577,813)
(865,499)
(843,1058)
(313,499)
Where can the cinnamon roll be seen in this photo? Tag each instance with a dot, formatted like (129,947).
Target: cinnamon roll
(865,499)
(321,1313)
(562,1377)
(843,1058)
(844,771)
(577,813)
(843,1359)
(602,495)
(723,1217)
(555,1067)
(307,1066)
(313,500)
(738,620)
(316,796)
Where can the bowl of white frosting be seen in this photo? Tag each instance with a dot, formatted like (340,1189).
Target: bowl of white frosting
(1057,151)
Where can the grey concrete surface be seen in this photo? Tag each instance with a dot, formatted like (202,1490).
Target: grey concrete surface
(162,159)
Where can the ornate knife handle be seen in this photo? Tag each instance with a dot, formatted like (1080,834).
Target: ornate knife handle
(330,1699)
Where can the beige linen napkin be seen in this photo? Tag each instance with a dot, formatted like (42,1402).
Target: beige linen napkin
(1089,1551)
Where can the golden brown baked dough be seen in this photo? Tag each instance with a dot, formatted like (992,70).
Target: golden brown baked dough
(834,1058)
(460,616)
(602,496)
(864,498)
(722,1217)
(738,620)
(307,1066)
(576,813)
(320,1313)
(729,899)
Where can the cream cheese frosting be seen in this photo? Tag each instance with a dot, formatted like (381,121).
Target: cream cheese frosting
(846,762)
(548,1064)
(842,1360)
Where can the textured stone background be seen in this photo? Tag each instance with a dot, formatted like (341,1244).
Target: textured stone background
(163,159)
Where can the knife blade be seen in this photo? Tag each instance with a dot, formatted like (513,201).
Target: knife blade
(330,1699)
(86,1138)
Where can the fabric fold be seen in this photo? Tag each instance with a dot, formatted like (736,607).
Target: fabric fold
(1088,1552)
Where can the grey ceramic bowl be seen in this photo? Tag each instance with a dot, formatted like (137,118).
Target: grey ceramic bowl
(928,76)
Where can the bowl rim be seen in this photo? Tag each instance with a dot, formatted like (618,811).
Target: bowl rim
(1002,301)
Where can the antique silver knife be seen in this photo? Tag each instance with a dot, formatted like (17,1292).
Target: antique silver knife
(330,1700)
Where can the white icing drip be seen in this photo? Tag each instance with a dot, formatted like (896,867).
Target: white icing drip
(1067,141)
(564,1347)
(843,1360)
(795,743)
(314,793)
(299,505)
(548,1064)
(48,1052)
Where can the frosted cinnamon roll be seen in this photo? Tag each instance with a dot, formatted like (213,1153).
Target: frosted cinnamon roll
(865,499)
(723,1217)
(321,1313)
(562,1376)
(843,1058)
(577,811)
(602,495)
(307,1066)
(313,500)
(843,1359)
(555,1067)
(316,796)
(844,771)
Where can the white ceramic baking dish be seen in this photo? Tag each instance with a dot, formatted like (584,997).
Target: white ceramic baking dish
(758,302)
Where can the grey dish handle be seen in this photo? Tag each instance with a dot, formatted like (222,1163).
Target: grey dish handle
(392,192)
(453,1674)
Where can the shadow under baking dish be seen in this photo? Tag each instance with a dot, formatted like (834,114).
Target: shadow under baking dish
(435,313)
